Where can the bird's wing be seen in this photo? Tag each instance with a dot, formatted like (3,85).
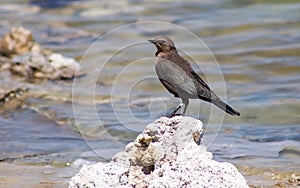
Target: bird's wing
(169,87)
(199,79)
(204,91)
(175,79)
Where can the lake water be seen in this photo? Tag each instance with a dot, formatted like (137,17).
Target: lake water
(248,51)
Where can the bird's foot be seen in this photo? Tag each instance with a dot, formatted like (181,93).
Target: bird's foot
(172,114)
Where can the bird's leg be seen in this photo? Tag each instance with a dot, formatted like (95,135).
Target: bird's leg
(174,111)
(186,104)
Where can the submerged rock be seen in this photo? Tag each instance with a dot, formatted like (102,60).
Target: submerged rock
(9,94)
(28,59)
(166,154)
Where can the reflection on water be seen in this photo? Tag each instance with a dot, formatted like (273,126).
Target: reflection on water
(256,44)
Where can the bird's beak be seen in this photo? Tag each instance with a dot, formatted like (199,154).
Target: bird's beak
(153,41)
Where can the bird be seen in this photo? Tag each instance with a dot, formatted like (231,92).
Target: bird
(178,77)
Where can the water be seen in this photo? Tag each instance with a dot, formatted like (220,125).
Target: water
(256,45)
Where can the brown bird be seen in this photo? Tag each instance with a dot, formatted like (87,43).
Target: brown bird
(178,77)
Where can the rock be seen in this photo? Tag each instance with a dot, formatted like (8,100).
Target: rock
(9,94)
(28,59)
(38,65)
(79,163)
(166,154)
(66,67)
(17,41)
(11,98)
(30,64)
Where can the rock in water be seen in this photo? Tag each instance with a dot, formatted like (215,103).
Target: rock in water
(17,41)
(166,154)
(26,58)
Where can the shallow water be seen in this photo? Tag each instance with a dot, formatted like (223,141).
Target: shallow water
(256,45)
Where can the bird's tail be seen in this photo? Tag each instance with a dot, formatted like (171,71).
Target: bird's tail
(225,107)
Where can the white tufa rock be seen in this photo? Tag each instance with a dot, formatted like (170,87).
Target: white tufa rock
(166,154)
(58,61)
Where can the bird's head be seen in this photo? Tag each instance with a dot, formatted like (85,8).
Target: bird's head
(163,44)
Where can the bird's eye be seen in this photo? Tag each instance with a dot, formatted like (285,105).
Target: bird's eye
(162,41)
